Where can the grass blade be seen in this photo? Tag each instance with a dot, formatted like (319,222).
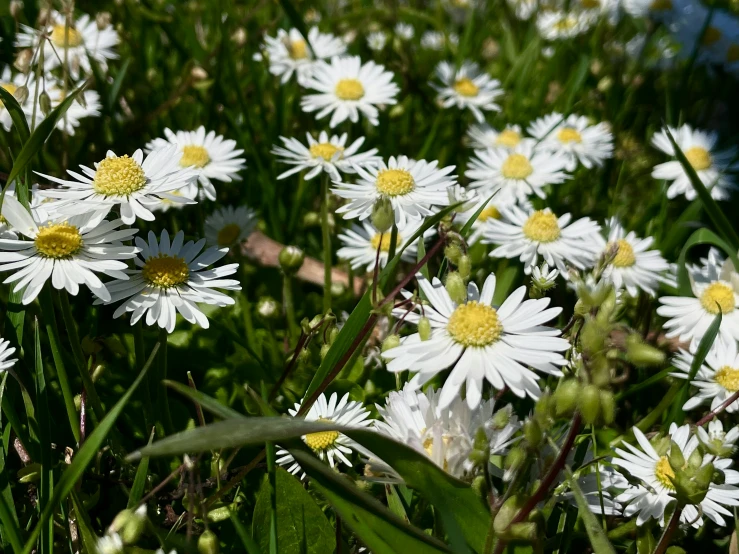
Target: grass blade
(44,416)
(139,481)
(250,546)
(598,539)
(20,123)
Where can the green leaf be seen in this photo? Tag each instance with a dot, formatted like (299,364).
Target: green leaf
(701,236)
(598,540)
(44,418)
(301,525)
(139,481)
(247,541)
(20,123)
(87,533)
(206,402)
(467,229)
(115,88)
(11,530)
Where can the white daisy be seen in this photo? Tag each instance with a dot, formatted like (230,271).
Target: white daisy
(110,543)
(405,31)
(75,112)
(330,446)
(490,211)
(482,137)
(542,277)
(480,342)
(710,164)
(717,378)
(527,234)
(229,225)
(467,87)
(515,173)
(172,278)
(81,39)
(558,25)
(360,243)
(690,316)
(524,9)
(634,266)
(717,441)
(347,87)
(211,156)
(328,153)
(69,251)
(135,184)
(376,41)
(653,494)
(5,352)
(288,52)
(657,9)
(10,83)
(433,40)
(414,187)
(574,138)
(597,484)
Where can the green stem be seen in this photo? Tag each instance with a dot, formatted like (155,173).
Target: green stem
(140,354)
(287,303)
(326,235)
(393,243)
(164,420)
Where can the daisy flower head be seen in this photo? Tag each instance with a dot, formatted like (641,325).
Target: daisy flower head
(523,9)
(433,40)
(6,351)
(361,242)
(289,53)
(480,342)
(574,138)
(330,446)
(483,136)
(517,172)
(414,188)
(209,155)
(229,225)
(660,10)
(171,278)
(717,378)
(654,490)
(560,25)
(376,41)
(328,153)
(134,184)
(405,31)
(718,441)
(73,41)
(347,87)
(709,163)
(528,234)
(68,251)
(467,87)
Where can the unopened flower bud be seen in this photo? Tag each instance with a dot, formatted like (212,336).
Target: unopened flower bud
(676,458)
(324,350)
(455,287)
(424,328)
(607,406)
(391,341)
(675,550)
(543,408)
(208,543)
(641,354)
(514,459)
(452,252)
(383,216)
(239,37)
(589,404)
(396,111)
(44,102)
(311,219)
(129,524)
(478,485)
(522,531)
(197,73)
(695,460)
(21,94)
(507,512)
(268,307)
(533,433)
(23,60)
(565,397)
(291,259)
(501,418)
(464,266)
(692,489)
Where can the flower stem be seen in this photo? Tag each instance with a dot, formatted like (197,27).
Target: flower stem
(326,235)
(664,541)
(164,417)
(288,306)
(140,354)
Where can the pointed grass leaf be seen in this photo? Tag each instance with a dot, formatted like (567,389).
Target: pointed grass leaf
(44,418)
(139,480)
(16,114)
(598,539)
(206,402)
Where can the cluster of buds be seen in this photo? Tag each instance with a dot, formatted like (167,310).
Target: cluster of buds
(456,254)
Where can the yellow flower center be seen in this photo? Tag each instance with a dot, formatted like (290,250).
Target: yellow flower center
(349,89)
(58,240)
(698,157)
(428,446)
(73,37)
(663,472)
(325,150)
(568,134)
(322,439)
(508,138)
(711,36)
(490,212)
(718,296)
(564,24)
(229,234)
(394,182)
(625,256)
(10,87)
(542,226)
(297,49)
(120,176)
(383,241)
(193,155)
(661,5)
(165,271)
(728,377)
(517,166)
(474,324)
(732,54)
(466,87)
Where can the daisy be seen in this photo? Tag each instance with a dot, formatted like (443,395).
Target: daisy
(76,43)
(558,25)
(433,40)
(413,187)
(483,136)
(490,211)
(347,87)
(690,316)
(405,31)
(634,267)
(329,446)
(654,492)
(211,156)
(360,244)
(597,484)
(543,278)
(574,138)
(527,234)
(376,41)
(515,173)
(5,352)
(110,543)
(709,163)
(524,9)
(717,378)
(11,84)
(480,342)
(172,278)
(229,225)
(717,441)
(467,87)
(289,54)
(69,252)
(135,184)
(656,9)
(75,112)
(328,153)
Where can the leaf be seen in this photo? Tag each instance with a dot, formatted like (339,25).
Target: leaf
(206,402)
(247,541)
(301,525)
(598,539)
(139,481)
(44,417)
(467,229)
(16,114)
(701,236)
(115,88)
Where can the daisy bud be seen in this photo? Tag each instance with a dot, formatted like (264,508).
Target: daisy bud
(533,433)
(383,215)
(324,350)
(239,37)
(23,60)
(581,309)
(523,531)
(607,306)
(593,336)
(268,307)
(21,94)
(479,485)
(514,459)
(453,252)
(507,512)
(692,490)
(208,543)
(129,524)
(291,259)
(391,341)
(501,418)
(455,287)
(589,404)
(197,73)
(464,266)
(102,20)
(607,406)
(311,219)
(396,111)
(424,328)
(641,354)
(565,397)
(695,460)
(332,334)
(44,102)
(544,408)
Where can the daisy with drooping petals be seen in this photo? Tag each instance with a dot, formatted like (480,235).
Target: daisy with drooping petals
(229,225)
(412,186)
(136,184)
(574,138)
(328,153)
(330,446)
(69,252)
(360,244)
(483,136)
(528,234)
(515,173)
(717,441)
(467,87)
(211,156)
(347,87)
(559,25)
(289,54)
(6,351)
(480,342)
(709,163)
(172,278)
(717,378)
